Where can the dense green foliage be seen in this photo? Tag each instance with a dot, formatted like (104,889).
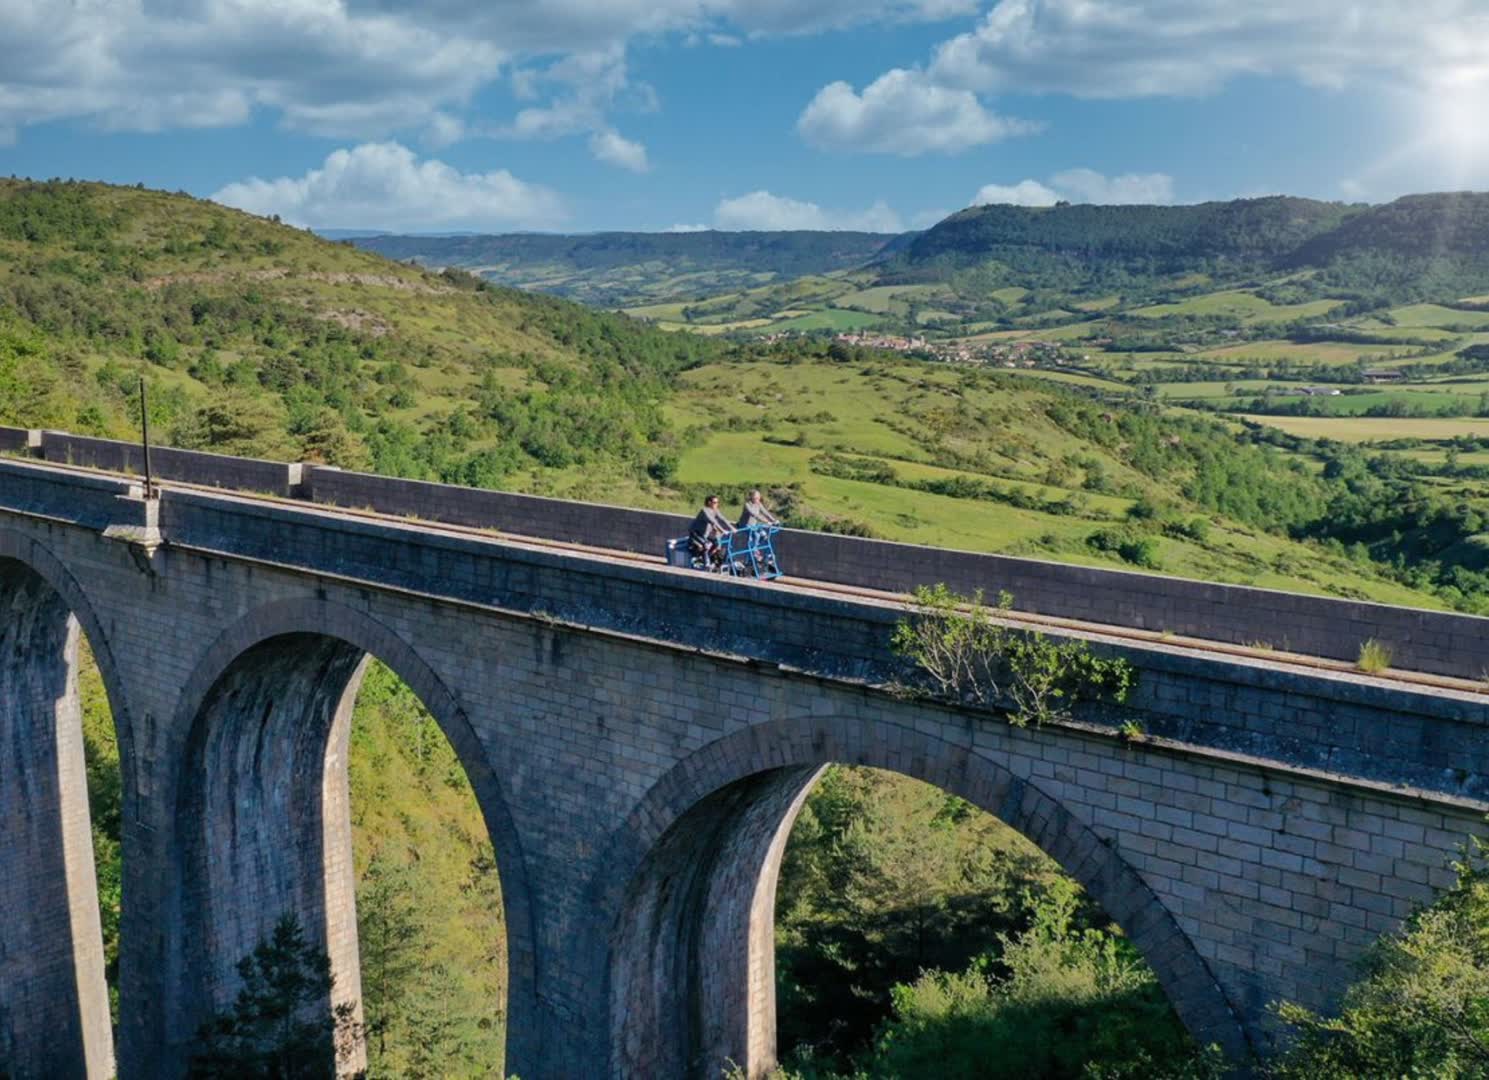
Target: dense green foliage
(915,934)
(1058,1001)
(1063,243)
(1418,246)
(1449,224)
(430,924)
(105,805)
(961,651)
(259,339)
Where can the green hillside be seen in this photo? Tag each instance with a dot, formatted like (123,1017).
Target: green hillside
(260,338)
(257,338)
(620,269)
(1448,224)
(1012,269)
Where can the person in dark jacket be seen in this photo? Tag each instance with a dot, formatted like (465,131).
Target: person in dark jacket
(708,528)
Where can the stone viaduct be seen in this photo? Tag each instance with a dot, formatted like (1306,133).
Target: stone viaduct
(639,739)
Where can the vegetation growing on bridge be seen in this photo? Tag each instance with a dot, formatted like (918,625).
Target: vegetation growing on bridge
(965,652)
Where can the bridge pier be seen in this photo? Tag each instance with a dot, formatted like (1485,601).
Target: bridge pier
(54,1006)
(692,968)
(264,816)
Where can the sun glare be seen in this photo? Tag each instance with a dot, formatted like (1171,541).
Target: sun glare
(1456,133)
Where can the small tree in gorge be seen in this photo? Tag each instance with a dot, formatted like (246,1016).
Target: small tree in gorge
(279,1027)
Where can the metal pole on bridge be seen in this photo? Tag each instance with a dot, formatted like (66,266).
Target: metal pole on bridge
(145,440)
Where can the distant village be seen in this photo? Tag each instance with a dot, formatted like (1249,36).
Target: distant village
(1006,353)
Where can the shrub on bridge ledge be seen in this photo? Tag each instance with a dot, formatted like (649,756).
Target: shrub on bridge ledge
(965,652)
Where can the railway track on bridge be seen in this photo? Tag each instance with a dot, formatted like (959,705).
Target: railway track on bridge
(1028,620)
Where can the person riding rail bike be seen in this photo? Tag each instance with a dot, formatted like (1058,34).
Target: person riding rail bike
(708,528)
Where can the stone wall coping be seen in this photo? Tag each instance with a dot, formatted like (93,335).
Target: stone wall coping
(81,478)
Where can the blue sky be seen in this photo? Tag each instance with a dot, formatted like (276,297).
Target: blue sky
(651,114)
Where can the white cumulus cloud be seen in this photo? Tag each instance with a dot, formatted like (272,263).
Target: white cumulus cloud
(1087,185)
(1024,193)
(1081,186)
(613,148)
(384,186)
(347,68)
(1138,48)
(904,113)
(763,211)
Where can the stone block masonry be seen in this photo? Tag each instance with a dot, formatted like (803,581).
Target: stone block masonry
(166,463)
(14,440)
(639,739)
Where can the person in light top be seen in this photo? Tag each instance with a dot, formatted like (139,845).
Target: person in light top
(755,512)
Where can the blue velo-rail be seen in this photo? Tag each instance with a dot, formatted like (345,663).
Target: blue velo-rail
(747,552)
(751,552)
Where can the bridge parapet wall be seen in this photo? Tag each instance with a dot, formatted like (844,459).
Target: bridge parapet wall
(168,463)
(617,527)
(1422,640)
(1336,723)
(14,440)
(1440,642)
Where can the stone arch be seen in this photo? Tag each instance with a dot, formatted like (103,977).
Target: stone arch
(294,666)
(677,863)
(32,554)
(54,1005)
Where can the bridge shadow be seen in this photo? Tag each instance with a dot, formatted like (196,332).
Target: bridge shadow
(54,1009)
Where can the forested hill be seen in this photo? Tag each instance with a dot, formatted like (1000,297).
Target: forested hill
(616,268)
(1133,239)
(1404,248)
(262,339)
(1451,225)
(1435,233)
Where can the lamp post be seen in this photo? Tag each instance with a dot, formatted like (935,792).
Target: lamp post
(145,440)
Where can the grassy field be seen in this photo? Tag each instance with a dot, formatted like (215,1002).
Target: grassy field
(830,319)
(1434,315)
(884,299)
(766,424)
(1324,352)
(1369,429)
(1248,307)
